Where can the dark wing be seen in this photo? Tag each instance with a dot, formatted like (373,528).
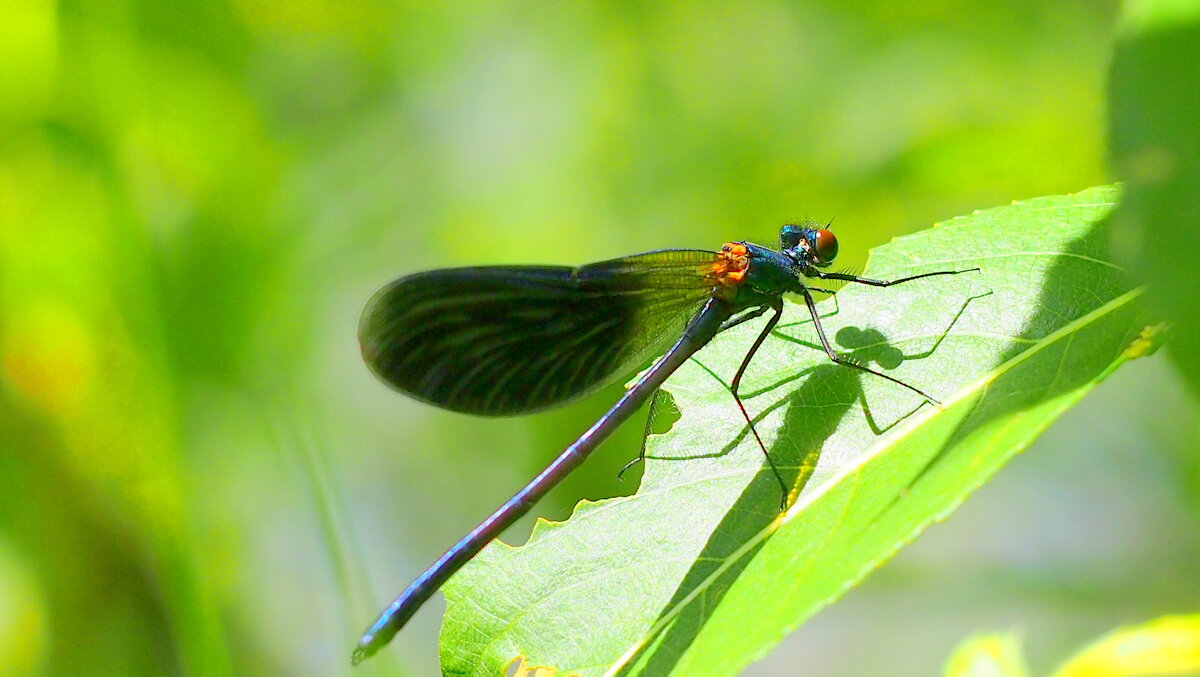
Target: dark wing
(498,341)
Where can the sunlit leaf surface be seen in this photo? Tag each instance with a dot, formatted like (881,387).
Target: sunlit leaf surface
(699,573)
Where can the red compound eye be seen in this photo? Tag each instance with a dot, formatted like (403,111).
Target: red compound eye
(826,245)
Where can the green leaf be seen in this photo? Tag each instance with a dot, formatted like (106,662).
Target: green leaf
(699,573)
(1154,104)
(997,655)
(1166,646)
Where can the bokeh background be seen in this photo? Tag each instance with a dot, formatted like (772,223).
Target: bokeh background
(197,474)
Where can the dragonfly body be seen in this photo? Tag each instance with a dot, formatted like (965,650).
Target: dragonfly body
(508,340)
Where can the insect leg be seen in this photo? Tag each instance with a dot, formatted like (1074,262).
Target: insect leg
(641,457)
(887,283)
(727,324)
(744,317)
(812,309)
(777,306)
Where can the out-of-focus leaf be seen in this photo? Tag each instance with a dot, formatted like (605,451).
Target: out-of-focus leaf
(22,615)
(699,573)
(1154,104)
(1165,646)
(988,656)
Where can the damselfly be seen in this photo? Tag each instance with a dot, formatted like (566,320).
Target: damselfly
(506,340)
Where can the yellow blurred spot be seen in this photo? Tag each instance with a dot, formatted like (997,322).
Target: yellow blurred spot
(361,20)
(47,357)
(519,668)
(1152,166)
(28,56)
(997,655)
(1147,342)
(1167,646)
(22,620)
(1145,15)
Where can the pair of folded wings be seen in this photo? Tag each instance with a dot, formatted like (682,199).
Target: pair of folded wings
(505,340)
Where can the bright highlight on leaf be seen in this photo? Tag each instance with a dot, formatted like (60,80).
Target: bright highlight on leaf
(698,573)
(988,656)
(1166,646)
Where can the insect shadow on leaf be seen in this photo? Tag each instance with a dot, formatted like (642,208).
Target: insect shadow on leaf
(796,450)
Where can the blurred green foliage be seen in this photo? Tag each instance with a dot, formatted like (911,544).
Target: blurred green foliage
(1154,106)
(1163,646)
(196,198)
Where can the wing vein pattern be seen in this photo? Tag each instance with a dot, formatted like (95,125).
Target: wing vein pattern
(506,340)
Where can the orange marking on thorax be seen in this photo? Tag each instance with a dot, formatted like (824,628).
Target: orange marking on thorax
(731,265)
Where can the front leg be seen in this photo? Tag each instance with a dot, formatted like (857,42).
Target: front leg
(882,283)
(744,317)
(833,355)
